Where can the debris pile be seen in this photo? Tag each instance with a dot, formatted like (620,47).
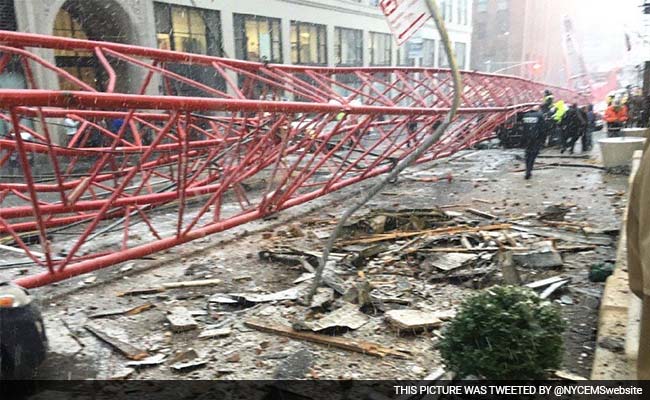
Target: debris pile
(434,245)
(394,273)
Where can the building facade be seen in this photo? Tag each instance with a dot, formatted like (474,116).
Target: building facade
(522,37)
(308,32)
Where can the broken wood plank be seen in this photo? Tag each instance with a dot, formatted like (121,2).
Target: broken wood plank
(575,165)
(562,224)
(464,250)
(187,284)
(465,242)
(21,251)
(127,350)
(483,201)
(171,285)
(448,206)
(357,346)
(576,249)
(561,249)
(428,232)
(124,311)
(463,274)
(549,290)
(599,240)
(568,376)
(480,213)
(148,362)
(544,282)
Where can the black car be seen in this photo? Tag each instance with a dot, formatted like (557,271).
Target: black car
(511,132)
(23,343)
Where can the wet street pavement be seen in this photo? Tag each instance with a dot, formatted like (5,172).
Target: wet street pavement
(488,180)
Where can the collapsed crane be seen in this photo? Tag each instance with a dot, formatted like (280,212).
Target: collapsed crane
(578,76)
(257,139)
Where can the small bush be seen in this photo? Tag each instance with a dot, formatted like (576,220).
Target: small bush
(504,332)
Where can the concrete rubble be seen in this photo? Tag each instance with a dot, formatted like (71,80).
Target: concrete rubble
(412,320)
(181,320)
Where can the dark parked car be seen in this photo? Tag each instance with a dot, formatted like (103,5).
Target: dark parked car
(23,344)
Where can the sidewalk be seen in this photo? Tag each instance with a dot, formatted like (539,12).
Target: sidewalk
(618,325)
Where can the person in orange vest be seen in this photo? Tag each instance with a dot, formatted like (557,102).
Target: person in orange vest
(616,116)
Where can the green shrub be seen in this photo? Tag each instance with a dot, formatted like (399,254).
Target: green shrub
(504,332)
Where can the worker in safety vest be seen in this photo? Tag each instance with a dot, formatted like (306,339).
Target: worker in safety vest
(557,112)
(638,257)
(616,117)
(560,110)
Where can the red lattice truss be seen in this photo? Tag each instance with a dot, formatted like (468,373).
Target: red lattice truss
(265,138)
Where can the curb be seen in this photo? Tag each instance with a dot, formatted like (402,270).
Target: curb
(619,315)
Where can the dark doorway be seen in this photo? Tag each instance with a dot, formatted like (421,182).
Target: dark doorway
(89,20)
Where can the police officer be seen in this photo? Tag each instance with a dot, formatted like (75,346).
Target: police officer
(534,137)
(548,99)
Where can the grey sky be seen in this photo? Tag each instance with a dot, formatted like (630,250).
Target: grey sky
(601,26)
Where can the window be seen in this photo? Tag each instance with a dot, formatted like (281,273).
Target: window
(80,64)
(428,52)
(461,52)
(187,29)
(463,11)
(348,46)
(449,10)
(308,43)
(7,16)
(481,5)
(191,30)
(443,60)
(443,8)
(258,38)
(381,48)
(403,57)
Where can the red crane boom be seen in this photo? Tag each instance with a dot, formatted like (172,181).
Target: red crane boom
(163,168)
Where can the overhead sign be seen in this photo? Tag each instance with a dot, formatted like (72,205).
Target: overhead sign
(405,17)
